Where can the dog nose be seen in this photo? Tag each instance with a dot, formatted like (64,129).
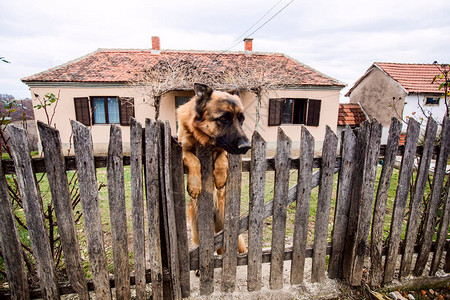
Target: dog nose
(243,146)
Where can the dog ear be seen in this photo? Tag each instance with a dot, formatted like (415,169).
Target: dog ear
(203,93)
(234,91)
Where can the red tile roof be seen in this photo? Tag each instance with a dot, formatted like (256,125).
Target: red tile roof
(119,66)
(351,114)
(414,78)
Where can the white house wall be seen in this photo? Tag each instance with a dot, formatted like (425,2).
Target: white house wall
(416,108)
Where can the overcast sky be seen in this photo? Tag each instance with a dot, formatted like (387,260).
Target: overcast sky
(339,38)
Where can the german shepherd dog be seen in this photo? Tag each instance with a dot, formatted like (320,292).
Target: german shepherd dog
(211,118)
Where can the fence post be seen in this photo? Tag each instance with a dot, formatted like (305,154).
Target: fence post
(152,184)
(369,138)
(137,211)
(32,206)
(256,210)
(442,233)
(343,194)
(10,245)
(401,196)
(205,204)
(172,246)
(59,187)
(82,141)
(323,206)
(117,212)
(430,219)
(376,240)
(415,206)
(280,196)
(231,222)
(180,208)
(303,196)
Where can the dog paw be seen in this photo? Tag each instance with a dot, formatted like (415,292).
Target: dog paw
(220,179)
(194,186)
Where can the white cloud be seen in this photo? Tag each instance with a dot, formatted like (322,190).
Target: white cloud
(339,38)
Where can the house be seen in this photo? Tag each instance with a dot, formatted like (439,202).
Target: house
(399,90)
(106,87)
(350,114)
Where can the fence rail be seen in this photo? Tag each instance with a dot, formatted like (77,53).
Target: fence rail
(360,209)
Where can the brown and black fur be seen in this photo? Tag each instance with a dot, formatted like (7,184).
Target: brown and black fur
(211,118)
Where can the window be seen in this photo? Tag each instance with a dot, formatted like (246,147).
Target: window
(294,111)
(181,100)
(104,110)
(431,100)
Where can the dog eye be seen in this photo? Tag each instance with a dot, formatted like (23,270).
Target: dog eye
(224,120)
(241,119)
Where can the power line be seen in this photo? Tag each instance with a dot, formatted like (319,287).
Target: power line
(238,40)
(242,35)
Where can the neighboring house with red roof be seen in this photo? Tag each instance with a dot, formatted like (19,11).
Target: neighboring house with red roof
(399,90)
(350,114)
(96,90)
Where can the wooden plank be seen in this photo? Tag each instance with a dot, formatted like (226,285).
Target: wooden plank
(430,219)
(152,136)
(367,195)
(180,208)
(362,140)
(82,142)
(10,245)
(255,214)
(401,196)
(32,206)
(302,206)
(137,211)
(231,222)
(384,183)
(117,212)
(415,206)
(280,195)
(323,206)
(343,194)
(442,233)
(170,204)
(59,187)
(205,204)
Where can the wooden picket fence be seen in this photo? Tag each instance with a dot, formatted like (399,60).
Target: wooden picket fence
(155,154)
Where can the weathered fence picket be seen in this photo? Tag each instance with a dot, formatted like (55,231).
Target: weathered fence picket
(11,247)
(384,183)
(280,195)
(401,196)
(169,258)
(231,222)
(117,210)
(438,179)
(303,196)
(137,202)
(348,151)
(152,187)
(255,214)
(415,206)
(82,142)
(442,233)
(180,220)
(32,206)
(205,203)
(59,187)
(323,206)
(172,244)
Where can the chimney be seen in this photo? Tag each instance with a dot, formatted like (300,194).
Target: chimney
(248,45)
(155,45)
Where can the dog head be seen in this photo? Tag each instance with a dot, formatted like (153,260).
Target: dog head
(220,116)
